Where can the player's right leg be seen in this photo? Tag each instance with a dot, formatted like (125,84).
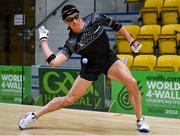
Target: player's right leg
(121,73)
(78,89)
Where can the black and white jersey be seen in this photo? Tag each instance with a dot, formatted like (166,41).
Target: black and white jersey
(92,41)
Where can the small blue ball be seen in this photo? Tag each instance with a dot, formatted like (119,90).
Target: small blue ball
(85,60)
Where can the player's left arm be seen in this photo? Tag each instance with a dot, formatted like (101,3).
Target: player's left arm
(122,31)
(135,45)
(107,21)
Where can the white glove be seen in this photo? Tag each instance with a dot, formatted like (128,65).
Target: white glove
(43,33)
(135,46)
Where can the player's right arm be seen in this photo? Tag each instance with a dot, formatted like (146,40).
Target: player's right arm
(50,57)
(58,59)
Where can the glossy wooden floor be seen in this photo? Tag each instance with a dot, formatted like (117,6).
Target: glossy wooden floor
(79,122)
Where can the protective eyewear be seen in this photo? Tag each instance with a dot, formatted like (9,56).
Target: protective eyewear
(70,19)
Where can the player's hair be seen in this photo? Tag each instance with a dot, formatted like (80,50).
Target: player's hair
(68,10)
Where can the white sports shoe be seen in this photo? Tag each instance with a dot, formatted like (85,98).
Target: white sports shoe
(142,126)
(28,118)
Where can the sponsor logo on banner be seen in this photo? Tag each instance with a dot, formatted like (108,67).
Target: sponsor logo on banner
(160,93)
(12,79)
(163,95)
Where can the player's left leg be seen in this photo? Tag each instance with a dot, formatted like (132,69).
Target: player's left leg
(120,72)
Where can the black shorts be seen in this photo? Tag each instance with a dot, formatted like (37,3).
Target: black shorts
(93,70)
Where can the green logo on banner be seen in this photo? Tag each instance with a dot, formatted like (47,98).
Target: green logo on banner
(58,82)
(123,98)
(61,86)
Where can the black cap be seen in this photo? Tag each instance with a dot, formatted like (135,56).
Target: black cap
(68,10)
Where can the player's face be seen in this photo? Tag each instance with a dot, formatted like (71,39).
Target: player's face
(73,21)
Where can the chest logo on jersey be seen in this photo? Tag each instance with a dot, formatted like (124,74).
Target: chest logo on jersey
(80,44)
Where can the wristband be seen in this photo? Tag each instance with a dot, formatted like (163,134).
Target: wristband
(50,58)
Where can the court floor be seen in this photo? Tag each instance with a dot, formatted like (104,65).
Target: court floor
(81,122)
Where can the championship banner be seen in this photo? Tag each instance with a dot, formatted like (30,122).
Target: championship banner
(57,82)
(160,94)
(12,79)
